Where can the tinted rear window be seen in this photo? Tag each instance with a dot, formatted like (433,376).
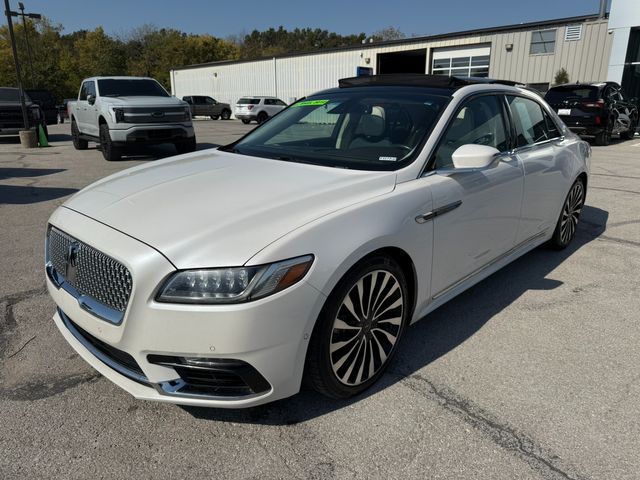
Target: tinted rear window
(249,101)
(559,94)
(9,95)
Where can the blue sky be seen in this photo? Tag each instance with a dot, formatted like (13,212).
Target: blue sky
(223,18)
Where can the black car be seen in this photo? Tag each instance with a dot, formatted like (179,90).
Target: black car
(598,110)
(47,102)
(208,107)
(11,120)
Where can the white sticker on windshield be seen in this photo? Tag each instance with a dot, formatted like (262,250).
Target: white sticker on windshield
(387,159)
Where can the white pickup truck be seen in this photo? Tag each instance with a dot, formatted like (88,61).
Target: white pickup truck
(120,111)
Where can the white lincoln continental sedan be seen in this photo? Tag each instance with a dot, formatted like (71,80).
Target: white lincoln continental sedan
(303,251)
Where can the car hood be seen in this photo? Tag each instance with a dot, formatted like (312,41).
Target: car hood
(143,101)
(214,208)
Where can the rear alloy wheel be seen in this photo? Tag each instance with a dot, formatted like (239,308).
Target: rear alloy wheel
(569,217)
(359,329)
(78,143)
(109,151)
(262,117)
(225,115)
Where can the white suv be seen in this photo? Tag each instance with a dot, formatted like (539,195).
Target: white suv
(258,108)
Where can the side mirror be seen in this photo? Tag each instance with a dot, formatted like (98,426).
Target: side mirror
(474,156)
(91,99)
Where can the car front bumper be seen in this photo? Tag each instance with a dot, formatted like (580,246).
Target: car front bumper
(267,338)
(149,134)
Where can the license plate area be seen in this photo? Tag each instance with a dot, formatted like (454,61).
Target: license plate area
(564,111)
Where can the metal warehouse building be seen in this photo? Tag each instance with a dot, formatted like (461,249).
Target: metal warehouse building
(530,53)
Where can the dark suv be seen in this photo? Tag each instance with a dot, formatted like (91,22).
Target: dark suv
(595,109)
(208,107)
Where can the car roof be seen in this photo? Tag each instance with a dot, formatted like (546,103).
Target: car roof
(434,84)
(419,80)
(118,78)
(259,96)
(585,84)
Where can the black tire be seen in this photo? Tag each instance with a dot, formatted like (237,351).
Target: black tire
(109,151)
(603,138)
(246,121)
(567,224)
(78,143)
(628,135)
(332,372)
(214,117)
(226,114)
(186,146)
(262,117)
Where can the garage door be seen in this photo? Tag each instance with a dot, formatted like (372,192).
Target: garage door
(463,61)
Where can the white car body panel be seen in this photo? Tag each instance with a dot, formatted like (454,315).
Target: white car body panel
(218,209)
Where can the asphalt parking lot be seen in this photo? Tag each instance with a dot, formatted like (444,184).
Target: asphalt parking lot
(533,373)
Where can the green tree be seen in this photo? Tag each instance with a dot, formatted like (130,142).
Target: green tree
(562,76)
(389,33)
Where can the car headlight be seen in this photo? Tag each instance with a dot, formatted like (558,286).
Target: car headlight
(117,114)
(233,285)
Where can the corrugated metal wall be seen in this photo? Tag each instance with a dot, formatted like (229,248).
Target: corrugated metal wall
(297,76)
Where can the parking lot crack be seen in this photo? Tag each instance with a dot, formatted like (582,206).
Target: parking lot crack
(22,347)
(541,460)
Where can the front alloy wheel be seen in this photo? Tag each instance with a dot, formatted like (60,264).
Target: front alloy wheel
(359,329)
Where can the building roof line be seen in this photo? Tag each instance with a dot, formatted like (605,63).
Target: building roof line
(461,33)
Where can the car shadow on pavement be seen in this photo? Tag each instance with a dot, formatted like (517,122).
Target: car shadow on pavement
(59,137)
(22,195)
(437,334)
(15,172)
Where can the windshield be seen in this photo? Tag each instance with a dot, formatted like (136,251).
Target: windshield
(11,95)
(559,94)
(112,87)
(365,130)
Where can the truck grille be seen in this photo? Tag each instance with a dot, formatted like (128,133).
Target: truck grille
(96,275)
(154,115)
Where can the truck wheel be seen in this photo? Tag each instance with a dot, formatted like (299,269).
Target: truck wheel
(603,138)
(226,114)
(246,121)
(109,152)
(186,146)
(214,117)
(78,143)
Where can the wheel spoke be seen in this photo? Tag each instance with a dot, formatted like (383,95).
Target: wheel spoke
(366,327)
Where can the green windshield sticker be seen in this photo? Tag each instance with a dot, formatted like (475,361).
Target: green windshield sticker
(311,103)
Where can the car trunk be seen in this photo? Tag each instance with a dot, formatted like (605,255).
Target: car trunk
(577,105)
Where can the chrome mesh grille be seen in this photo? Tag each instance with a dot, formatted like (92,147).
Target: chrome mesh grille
(97,275)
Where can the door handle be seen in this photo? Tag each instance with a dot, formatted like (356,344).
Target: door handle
(425,217)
